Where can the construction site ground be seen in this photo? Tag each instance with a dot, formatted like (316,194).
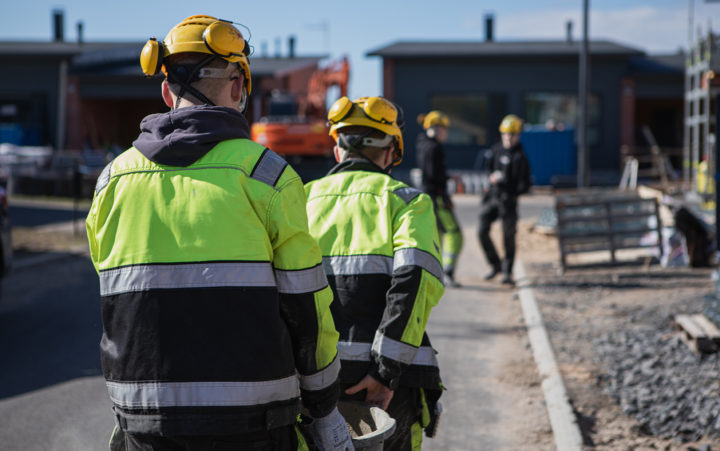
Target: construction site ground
(578,307)
(592,300)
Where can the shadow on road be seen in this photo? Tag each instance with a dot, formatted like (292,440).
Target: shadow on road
(50,325)
(32,216)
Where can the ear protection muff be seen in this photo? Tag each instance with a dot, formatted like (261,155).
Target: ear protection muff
(223,39)
(151,57)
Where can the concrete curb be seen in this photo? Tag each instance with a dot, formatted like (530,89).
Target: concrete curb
(562,419)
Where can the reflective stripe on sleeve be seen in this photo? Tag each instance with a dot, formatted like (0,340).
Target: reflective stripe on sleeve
(137,395)
(323,378)
(301,281)
(360,352)
(417,257)
(186,275)
(393,349)
(103,178)
(407,193)
(348,265)
(269,168)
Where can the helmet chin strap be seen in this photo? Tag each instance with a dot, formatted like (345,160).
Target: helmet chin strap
(352,144)
(185,86)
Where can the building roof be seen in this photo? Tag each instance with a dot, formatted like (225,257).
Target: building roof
(658,64)
(278,67)
(434,49)
(123,58)
(64,48)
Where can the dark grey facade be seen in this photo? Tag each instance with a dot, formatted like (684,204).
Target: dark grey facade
(512,77)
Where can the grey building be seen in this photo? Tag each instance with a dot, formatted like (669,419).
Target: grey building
(477,83)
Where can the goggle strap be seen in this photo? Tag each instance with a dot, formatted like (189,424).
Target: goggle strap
(214,72)
(375,142)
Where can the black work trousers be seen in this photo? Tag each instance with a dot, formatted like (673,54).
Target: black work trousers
(490,211)
(280,439)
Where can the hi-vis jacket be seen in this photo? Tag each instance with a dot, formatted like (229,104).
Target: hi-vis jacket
(215,305)
(382,258)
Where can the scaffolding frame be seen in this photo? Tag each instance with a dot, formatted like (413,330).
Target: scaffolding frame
(700,110)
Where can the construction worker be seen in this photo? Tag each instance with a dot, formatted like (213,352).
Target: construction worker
(381,254)
(509,178)
(431,161)
(216,310)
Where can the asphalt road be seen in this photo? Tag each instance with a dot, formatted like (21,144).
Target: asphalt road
(52,395)
(493,399)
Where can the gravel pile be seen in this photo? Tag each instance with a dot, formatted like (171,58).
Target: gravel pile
(655,377)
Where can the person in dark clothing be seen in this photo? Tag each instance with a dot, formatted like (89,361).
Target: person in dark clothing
(509,177)
(431,161)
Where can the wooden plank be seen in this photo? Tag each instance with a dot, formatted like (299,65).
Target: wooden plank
(699,333)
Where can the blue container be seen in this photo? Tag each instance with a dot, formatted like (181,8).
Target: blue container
(11,134)
(550,153)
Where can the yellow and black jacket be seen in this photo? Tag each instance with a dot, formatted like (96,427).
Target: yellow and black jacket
(215,306)
(381,254)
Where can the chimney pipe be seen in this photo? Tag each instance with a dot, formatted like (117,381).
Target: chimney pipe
(568,28)
(58,23)
(80,32)
(277,47)
(264,49)
(291,47)
(489,24)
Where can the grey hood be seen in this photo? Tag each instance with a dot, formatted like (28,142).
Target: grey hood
(183,136)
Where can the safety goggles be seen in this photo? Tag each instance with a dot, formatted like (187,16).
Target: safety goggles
(374,108)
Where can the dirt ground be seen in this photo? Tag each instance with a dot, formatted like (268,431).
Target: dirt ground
(584,304)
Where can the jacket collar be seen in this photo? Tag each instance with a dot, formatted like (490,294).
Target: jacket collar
(183,136)
(356,164)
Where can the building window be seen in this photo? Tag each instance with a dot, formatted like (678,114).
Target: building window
(468,115)
(561,110)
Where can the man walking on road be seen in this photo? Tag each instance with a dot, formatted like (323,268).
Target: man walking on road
(216,311)
(509,178)
(382,256)
(431,161)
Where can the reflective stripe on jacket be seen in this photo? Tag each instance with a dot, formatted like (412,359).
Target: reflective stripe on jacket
(214,301)
(382,257)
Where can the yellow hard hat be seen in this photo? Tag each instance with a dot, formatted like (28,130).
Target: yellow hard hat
(433,119)
(373,112)
(199,34)
(511,124)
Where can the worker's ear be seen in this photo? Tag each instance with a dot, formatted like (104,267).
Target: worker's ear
(389,156)
(167,95)
(336,152)
(236,91)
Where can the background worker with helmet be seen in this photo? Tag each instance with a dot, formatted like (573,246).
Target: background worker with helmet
(431,161)
(509,177)
(216,310)
(381,254)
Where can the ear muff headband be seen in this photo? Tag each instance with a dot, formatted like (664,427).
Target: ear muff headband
(223,39)
(151,57)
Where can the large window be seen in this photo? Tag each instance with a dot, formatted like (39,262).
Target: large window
(468,117)
(561,110)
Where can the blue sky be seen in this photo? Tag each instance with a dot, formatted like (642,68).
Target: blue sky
(353,28)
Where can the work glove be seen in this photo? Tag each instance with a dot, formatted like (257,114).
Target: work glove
(330,433)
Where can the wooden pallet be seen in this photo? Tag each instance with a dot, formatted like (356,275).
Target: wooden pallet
(699,333)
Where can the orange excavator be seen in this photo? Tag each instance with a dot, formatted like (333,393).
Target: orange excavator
(300,128)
